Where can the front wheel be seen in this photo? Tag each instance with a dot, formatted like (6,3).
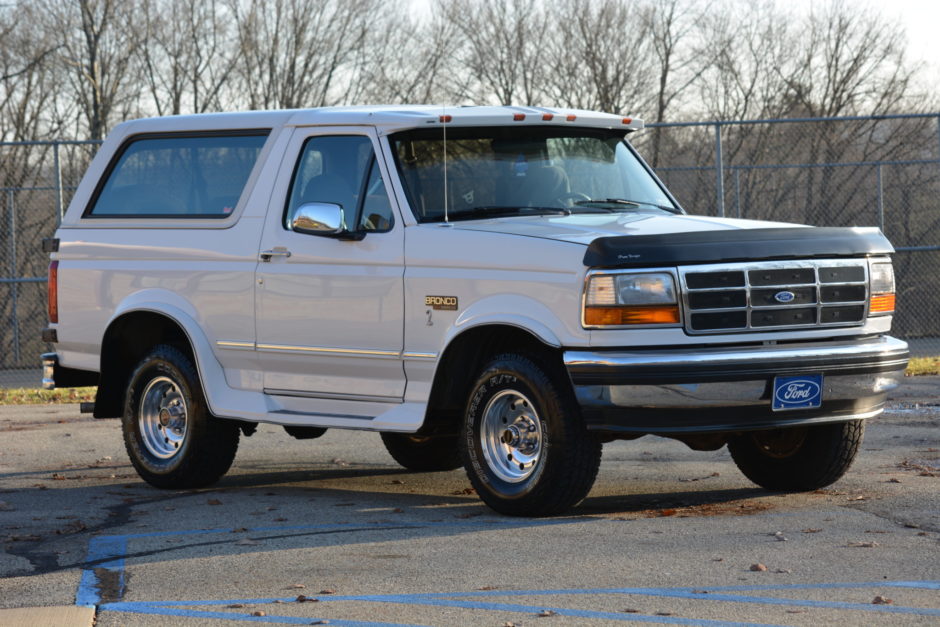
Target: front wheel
(172,439)
(797,459)
(525,448)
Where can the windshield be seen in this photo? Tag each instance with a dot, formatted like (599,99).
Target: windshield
(505,170)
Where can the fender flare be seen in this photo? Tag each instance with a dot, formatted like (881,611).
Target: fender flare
(208,368)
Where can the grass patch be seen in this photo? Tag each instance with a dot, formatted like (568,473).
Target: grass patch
(36,396)
(921,366)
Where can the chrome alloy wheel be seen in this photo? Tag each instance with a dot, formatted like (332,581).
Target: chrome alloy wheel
(162,418)
(511,436)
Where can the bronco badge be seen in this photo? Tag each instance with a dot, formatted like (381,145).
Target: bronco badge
(441,303)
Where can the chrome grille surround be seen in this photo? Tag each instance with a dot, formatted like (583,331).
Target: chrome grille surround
(735,297)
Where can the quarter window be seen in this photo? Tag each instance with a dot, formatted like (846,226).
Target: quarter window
(178,176)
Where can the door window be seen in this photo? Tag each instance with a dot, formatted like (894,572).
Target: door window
(341,169)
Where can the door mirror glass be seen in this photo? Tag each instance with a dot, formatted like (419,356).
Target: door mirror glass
(319,218)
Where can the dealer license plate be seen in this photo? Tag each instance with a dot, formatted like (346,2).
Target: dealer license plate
(802,392)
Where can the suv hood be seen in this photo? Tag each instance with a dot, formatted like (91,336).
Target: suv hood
(585,228)
(642,240)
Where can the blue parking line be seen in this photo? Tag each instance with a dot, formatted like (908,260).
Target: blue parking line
(105,558)
(108,552)
(419,599)
(461,600)
(717,594)
(105,564)
(162,610)
(166,609)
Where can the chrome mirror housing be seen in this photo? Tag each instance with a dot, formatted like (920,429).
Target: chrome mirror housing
(320,218)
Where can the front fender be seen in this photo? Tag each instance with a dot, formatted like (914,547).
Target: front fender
(514,310)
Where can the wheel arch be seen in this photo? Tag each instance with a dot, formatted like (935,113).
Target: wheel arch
(462,358)
(131,334)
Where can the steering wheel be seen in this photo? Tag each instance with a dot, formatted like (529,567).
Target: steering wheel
(568,198)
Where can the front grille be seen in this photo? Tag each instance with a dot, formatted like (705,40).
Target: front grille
(771,296)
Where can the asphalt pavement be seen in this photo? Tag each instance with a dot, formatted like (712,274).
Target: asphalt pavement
(332,531)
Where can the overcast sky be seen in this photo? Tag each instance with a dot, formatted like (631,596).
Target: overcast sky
(921,19)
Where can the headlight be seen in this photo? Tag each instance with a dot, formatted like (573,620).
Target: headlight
(624,299)
(881,289)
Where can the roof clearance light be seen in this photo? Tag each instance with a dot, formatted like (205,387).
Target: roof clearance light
(627,120)
(446,118)
(571,117)
(547,117)
(518,117)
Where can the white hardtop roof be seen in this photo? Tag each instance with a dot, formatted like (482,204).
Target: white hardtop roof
(387,118)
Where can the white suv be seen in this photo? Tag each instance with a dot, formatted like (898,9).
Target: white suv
(501,288)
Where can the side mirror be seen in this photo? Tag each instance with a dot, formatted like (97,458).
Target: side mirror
(325,219)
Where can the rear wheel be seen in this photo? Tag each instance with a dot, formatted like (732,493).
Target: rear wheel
(525,448)
(797,458)
(172,439)
(423,453)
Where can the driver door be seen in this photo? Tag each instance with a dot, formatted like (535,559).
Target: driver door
(330,311)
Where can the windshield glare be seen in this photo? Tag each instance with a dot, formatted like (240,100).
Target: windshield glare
(523,170)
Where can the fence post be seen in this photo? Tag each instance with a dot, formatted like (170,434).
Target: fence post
(881,200)
(58,184)
(14,286)
(719,171)
(737,192)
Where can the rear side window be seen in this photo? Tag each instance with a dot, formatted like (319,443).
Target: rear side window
(178,176)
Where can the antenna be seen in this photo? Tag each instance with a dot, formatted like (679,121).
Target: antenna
(444,127)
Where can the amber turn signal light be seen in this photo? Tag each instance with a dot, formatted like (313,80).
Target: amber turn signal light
(615,316)
(881,303)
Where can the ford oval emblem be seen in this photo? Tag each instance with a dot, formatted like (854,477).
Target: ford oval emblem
(798,391)
(784,296)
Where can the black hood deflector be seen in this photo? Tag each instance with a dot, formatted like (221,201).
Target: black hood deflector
(634,251)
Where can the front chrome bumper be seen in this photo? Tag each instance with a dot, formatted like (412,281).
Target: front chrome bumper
(729,389)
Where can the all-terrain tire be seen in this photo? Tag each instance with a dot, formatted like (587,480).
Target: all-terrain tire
(798,459)
(172,439)
(524,444)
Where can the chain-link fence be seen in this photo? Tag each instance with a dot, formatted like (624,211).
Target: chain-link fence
(879,171)
(861,171)
(37,180)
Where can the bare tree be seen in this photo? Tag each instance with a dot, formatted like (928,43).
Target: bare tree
(501,47)
(672,24)
(600,54)
(299,53)
(846,59)
(186,53)
(27,89)
(97,55)
(411,59)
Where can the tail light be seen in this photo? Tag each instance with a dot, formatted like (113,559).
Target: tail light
(53,291)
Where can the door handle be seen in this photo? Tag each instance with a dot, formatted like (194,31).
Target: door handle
(277,251)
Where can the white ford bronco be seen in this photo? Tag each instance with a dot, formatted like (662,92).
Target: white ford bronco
(501,288)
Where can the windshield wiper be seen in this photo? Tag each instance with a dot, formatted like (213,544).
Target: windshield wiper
(498,211)
(624,201)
